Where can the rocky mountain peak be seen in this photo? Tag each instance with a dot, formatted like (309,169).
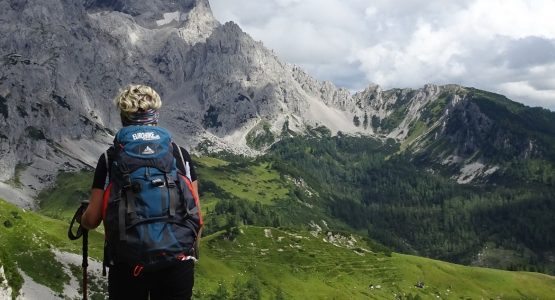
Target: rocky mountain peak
(191,15)
(138,8)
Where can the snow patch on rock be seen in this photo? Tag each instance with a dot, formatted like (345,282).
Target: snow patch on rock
(168,18)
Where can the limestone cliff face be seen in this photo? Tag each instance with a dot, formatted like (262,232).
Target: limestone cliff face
(62,62)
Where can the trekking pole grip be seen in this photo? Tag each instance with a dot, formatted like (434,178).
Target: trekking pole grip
(77,216)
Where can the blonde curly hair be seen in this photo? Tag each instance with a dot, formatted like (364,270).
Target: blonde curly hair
(137,97)
(138,105)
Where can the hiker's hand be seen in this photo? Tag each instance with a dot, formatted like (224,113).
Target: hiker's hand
(84,204)
(81,210)
(77,218)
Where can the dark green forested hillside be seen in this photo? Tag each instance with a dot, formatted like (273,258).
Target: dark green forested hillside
(491,129)
(406,206)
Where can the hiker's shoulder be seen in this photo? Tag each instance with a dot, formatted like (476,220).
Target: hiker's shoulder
(184,151)
(107,154)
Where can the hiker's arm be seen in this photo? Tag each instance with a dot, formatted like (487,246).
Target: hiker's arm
(93,215)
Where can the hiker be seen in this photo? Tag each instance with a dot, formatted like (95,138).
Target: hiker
(160,273)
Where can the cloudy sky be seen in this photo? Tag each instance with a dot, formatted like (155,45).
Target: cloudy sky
(505,46)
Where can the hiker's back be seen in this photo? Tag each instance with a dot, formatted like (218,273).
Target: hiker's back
(150,213)
(150,209)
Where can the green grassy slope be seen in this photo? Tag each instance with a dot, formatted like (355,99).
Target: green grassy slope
(304,266)
(61,201)
(274,263)
(256,182)
(462,282)
(255,193)
(27,241)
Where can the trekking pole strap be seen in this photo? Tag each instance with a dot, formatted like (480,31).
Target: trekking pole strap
(74,236)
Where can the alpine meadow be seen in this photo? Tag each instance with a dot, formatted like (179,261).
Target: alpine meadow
(307,190)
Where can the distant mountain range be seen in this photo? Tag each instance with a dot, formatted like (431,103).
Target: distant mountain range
(219,86)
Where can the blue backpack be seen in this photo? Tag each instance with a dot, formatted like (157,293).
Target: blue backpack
(151,215)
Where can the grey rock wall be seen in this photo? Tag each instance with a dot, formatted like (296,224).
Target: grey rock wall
(63,61)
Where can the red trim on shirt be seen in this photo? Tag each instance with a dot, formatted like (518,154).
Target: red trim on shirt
(105,199)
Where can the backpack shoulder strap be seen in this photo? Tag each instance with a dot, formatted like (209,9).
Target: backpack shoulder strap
(108,157)
(185,163)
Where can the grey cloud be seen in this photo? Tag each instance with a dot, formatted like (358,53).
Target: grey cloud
(346,75)
(543,83)
(398,19)
(244,12)
(529,52)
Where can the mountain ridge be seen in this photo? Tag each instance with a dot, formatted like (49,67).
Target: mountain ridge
(219,85)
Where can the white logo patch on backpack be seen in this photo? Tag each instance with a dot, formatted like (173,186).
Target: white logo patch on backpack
(148,150)
(145,136)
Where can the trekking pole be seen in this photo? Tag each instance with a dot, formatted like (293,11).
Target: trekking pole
(81,232)
(85,263)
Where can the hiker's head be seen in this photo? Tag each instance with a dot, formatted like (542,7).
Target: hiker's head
(138,105)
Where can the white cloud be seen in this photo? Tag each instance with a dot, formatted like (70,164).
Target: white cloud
(524,90)
(504,46)
(370,11)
